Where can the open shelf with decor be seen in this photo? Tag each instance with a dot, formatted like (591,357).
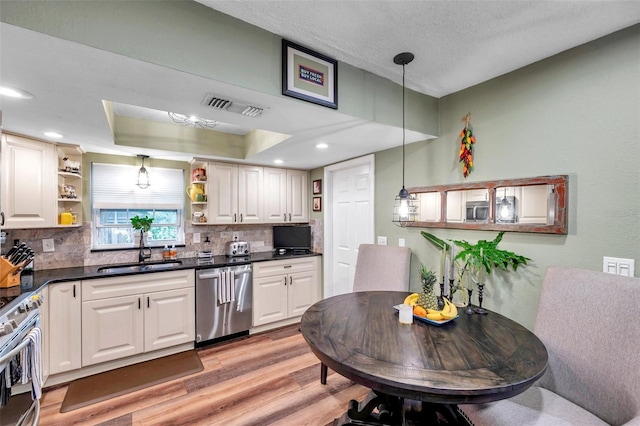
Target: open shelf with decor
(197,192)
(69,172)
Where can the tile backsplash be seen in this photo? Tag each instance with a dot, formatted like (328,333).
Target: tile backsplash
(73,245)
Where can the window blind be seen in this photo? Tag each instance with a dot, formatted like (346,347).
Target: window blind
(114,186)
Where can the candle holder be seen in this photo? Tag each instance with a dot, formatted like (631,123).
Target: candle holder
(442,295)
(469,309)
(451,289)
(480,309)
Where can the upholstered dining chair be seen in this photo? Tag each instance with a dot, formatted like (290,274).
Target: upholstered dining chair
(590,323)
(379,268)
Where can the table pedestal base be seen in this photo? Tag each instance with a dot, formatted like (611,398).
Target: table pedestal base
(379,409)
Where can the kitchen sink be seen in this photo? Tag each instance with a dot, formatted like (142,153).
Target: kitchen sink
(139,267)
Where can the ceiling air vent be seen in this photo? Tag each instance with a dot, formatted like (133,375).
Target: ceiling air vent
(247,109)
(218,103)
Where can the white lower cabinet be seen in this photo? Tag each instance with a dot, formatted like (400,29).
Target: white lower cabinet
(64,327)
(125,316)
(284,289)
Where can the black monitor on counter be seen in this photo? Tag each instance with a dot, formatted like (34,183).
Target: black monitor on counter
(295,238)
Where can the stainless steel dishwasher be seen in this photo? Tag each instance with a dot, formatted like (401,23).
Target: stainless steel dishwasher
(223,302)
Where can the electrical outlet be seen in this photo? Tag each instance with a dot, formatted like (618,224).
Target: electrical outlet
(235,236)
(401,242)
(618,266)
(196,238)
(47,245)
(382,241)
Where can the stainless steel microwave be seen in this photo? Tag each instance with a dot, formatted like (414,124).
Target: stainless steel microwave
(477,211)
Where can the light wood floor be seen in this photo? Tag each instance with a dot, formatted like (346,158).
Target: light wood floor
(267,379)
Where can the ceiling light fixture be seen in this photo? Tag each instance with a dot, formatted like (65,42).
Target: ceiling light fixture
(54,135)
(322,146)
(14,92)
(405,207)
(192,120)
(278,161)
(143,174)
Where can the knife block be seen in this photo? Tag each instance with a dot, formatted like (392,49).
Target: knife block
(6,273)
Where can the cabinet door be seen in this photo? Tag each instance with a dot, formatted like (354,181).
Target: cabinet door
(297,196)
(269,299)
(250,195)
(223,193)
(303,291)
(275,195)
(65,316)
(29,190)
(534,204)
(111,329)
(430,206)
(169,318)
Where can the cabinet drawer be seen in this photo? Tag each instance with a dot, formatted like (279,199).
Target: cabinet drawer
(285,266)
(103,288)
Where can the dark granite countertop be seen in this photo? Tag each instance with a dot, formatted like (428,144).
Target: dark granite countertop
(47,276)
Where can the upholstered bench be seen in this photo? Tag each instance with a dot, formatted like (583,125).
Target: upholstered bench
(590,323)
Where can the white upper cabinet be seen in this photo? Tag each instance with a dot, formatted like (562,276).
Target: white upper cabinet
(29,193)
(235,193)
(286,195)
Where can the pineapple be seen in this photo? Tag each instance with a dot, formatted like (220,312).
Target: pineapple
(427,299)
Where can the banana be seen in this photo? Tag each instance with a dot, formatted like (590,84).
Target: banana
(412,299)
(436,316)
(450,310)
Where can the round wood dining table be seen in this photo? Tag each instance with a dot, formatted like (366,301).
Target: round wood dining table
(471,359)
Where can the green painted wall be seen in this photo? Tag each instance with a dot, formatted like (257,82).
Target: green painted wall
(577,113)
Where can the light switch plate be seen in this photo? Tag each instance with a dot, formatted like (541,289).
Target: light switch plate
(382,241)
(196,238)
(618,266)
(401,242)
(47,245)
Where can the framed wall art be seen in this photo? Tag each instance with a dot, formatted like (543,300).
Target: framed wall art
(317,204)
(317,186)
(309,75)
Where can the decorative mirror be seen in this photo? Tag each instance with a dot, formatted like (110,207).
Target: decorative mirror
(536,204)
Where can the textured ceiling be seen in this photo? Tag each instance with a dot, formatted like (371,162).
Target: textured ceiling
(456,44)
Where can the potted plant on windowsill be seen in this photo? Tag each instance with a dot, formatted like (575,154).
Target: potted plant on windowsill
(142,224)
(479,258)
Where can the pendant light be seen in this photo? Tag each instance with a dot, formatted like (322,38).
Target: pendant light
(405,206)
(505,206)
(143,174)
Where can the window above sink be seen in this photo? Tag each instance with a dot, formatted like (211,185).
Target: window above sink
(536,204)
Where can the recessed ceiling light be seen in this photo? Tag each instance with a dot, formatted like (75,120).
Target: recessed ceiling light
(14,92)
(53,135)
(322,146)
(278,161)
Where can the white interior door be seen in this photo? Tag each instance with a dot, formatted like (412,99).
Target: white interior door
(349,220)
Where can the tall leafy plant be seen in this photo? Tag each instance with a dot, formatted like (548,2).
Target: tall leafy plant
(483,254)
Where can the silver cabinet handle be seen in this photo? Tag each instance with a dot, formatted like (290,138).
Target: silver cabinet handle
(289,217)
(290,280)
(284,217)
(234,217)
(241,217)
(285,280)
(74,291)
